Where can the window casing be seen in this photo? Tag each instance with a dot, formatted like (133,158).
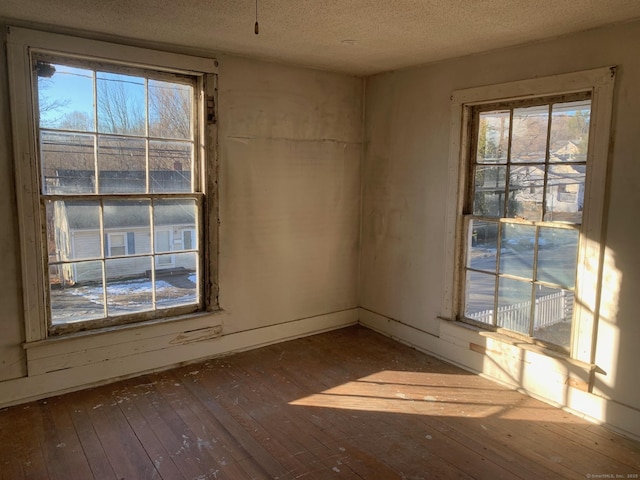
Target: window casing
(117,154)
(592,86)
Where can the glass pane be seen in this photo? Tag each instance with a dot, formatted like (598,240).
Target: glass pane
(175,216)
(484,245)
(73,230)
(177,286)
(489,190)
(68,163)
(479,296)
(557,256)
(128,220)
(128,291)
(529,136)
(570,131)
(65,97)
(552,316)
(514,305)
(493,137)
(516,250)
(170,110)
(121,104)
(526,187)
(170,165)
(76,292)
(565,193)
(122,165)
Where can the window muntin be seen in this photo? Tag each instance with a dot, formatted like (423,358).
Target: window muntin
(118,166)
(523,215)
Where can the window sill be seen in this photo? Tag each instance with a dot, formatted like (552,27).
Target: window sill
(458,329)
(178,321)
(152,338)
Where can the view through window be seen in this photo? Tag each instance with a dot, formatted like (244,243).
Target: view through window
(523,215)
(119,191)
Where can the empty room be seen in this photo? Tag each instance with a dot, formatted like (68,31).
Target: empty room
(282,239)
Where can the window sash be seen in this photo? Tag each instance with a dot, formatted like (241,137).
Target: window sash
(545,106)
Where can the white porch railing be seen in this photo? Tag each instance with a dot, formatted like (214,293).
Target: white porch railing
(549,310)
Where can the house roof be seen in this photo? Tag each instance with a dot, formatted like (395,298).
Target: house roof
(83,215)
(67,181)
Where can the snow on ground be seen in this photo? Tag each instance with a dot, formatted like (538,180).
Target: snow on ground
(126,287)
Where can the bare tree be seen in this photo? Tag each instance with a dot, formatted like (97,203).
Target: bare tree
(120,109)
(51,111)
(169,110)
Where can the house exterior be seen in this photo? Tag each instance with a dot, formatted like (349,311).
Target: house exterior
(126,231)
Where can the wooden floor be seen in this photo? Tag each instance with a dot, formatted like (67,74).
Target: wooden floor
(344,404)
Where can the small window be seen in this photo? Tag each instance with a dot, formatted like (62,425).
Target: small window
(188,239)
(117,244)
(119,165)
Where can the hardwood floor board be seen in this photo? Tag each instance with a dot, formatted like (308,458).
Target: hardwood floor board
(600,441)
(258,456)
(21,455)
(295,436)
(541,444)
(159,420)
(284,390)
(207,431)
(277,386)
(62,447)
(376,425)
(126,454)
(256,422)
(146,432)
(344,404)
(473,436)
(12,454)
(91,446)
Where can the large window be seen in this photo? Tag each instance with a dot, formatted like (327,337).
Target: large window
(525,214)
(117,173)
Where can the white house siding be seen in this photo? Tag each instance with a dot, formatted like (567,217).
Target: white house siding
(86,244)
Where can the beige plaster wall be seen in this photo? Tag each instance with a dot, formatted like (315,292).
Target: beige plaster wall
(290,143)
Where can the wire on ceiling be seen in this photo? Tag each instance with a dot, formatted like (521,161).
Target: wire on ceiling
(256,27)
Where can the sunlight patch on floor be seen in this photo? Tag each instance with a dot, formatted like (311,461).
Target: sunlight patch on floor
(419,393)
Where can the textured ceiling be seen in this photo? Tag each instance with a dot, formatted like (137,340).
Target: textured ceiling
(355,36)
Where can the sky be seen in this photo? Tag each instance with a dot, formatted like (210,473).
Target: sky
(72,87)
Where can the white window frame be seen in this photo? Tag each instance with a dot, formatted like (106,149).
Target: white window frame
(600,82)
(21,44)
